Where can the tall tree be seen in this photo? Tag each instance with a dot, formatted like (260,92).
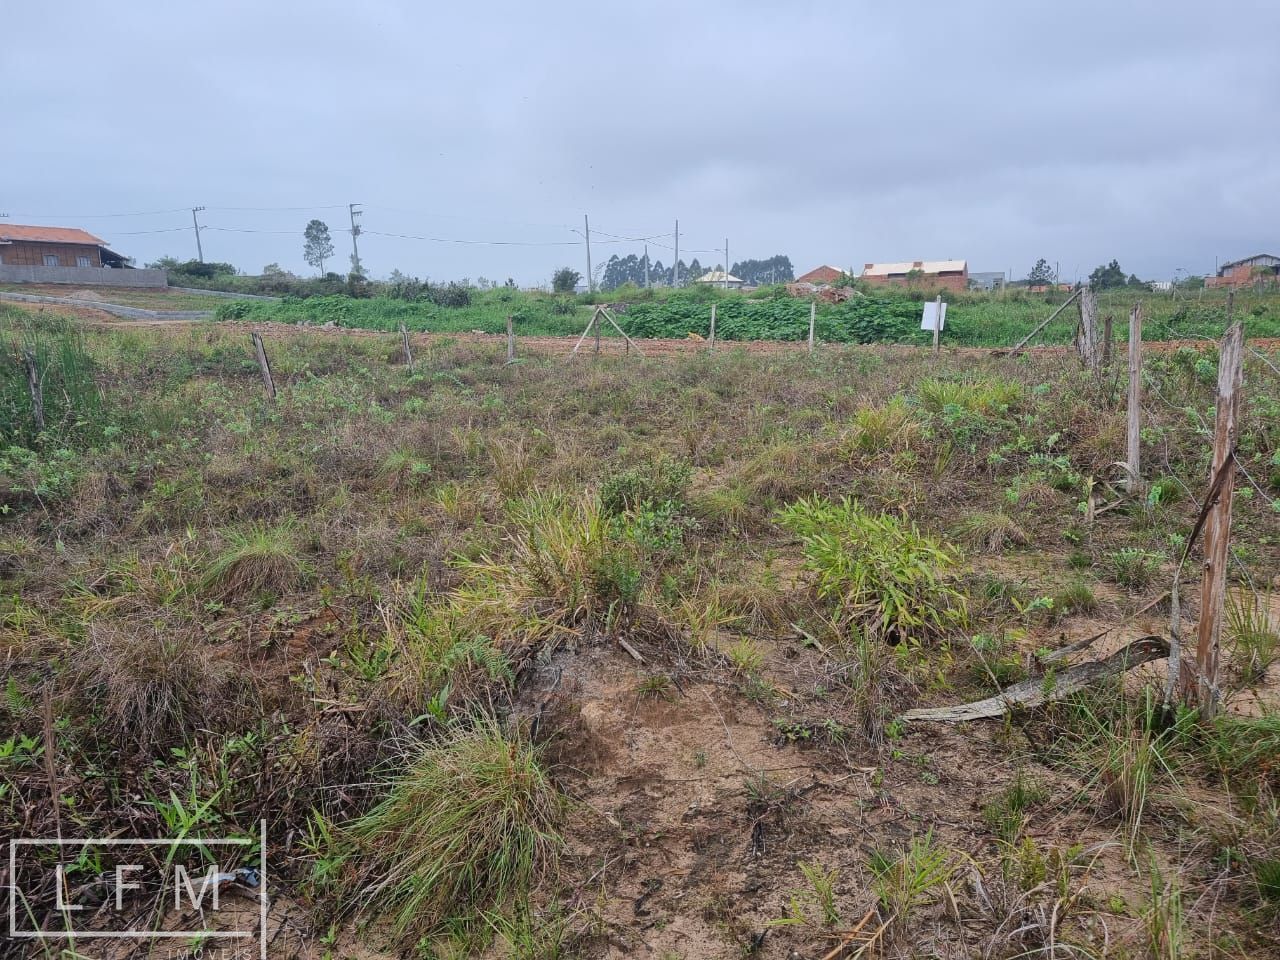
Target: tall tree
(1107,277)
(1041,274)
(317,244)
(777,269)
(565,280)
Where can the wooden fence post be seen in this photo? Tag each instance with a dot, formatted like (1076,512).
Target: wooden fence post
(408,354)
(1108,335)
(711,340)
(1087,341)
(937,324)
(1217,527)
(597,320)
(813,316)
(263,365)
(35,388)
(511,339)
(1134,432)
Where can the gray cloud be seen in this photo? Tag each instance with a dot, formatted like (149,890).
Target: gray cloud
(834,132)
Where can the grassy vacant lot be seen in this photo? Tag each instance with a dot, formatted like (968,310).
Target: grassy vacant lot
(973,319)
(147,298)
(602,658)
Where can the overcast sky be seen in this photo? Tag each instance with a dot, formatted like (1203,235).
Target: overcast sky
(838,132)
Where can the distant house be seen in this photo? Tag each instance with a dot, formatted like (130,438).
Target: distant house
(823,276)
(26,246)
(1239,273)
(1160,286)
(719,278)
(950,274)
(986,280)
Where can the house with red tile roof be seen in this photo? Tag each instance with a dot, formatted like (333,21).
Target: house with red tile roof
(822,276)
(31,246)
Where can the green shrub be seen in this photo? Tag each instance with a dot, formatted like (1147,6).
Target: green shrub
(880,571)
(656,484)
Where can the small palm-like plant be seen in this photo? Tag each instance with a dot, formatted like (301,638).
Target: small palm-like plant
(912,878)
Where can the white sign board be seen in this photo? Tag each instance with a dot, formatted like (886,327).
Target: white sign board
(928,321)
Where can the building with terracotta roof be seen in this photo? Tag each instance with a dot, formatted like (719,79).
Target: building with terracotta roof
(30,246)
(822,276)
(1260,268)
(949,274)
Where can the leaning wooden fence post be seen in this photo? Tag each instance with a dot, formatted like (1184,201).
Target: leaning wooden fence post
(1134,432)
(937,324)
(711,340)
(511,340)
(263,365)
(1044,323)
(1217,527)
(597,318)
(408,354)
(813,316)
(34,388)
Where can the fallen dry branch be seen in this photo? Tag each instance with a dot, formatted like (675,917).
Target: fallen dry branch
(1034,692)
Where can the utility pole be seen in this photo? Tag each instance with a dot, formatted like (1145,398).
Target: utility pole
(591,283)
(355,232)
(675,269)
(726,263)
(196,223)
(646,266)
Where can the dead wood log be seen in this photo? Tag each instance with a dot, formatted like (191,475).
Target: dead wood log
(1037,691)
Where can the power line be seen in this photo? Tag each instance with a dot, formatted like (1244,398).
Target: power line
(137,233)
(98,216)
(322,206)
(430,214)
(288,233)
(489,243)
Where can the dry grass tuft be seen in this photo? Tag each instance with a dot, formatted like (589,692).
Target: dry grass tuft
(991,532)
(260,559)
(465,830)
(152,688)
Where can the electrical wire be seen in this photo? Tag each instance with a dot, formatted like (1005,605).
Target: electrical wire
(136,233)
(323,206)
(459,216)
(489,243)
(99,216)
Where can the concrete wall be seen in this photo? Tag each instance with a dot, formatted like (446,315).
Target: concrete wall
(83,276)
(115,309)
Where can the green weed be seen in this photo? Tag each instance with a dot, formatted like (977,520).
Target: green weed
(880,571)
